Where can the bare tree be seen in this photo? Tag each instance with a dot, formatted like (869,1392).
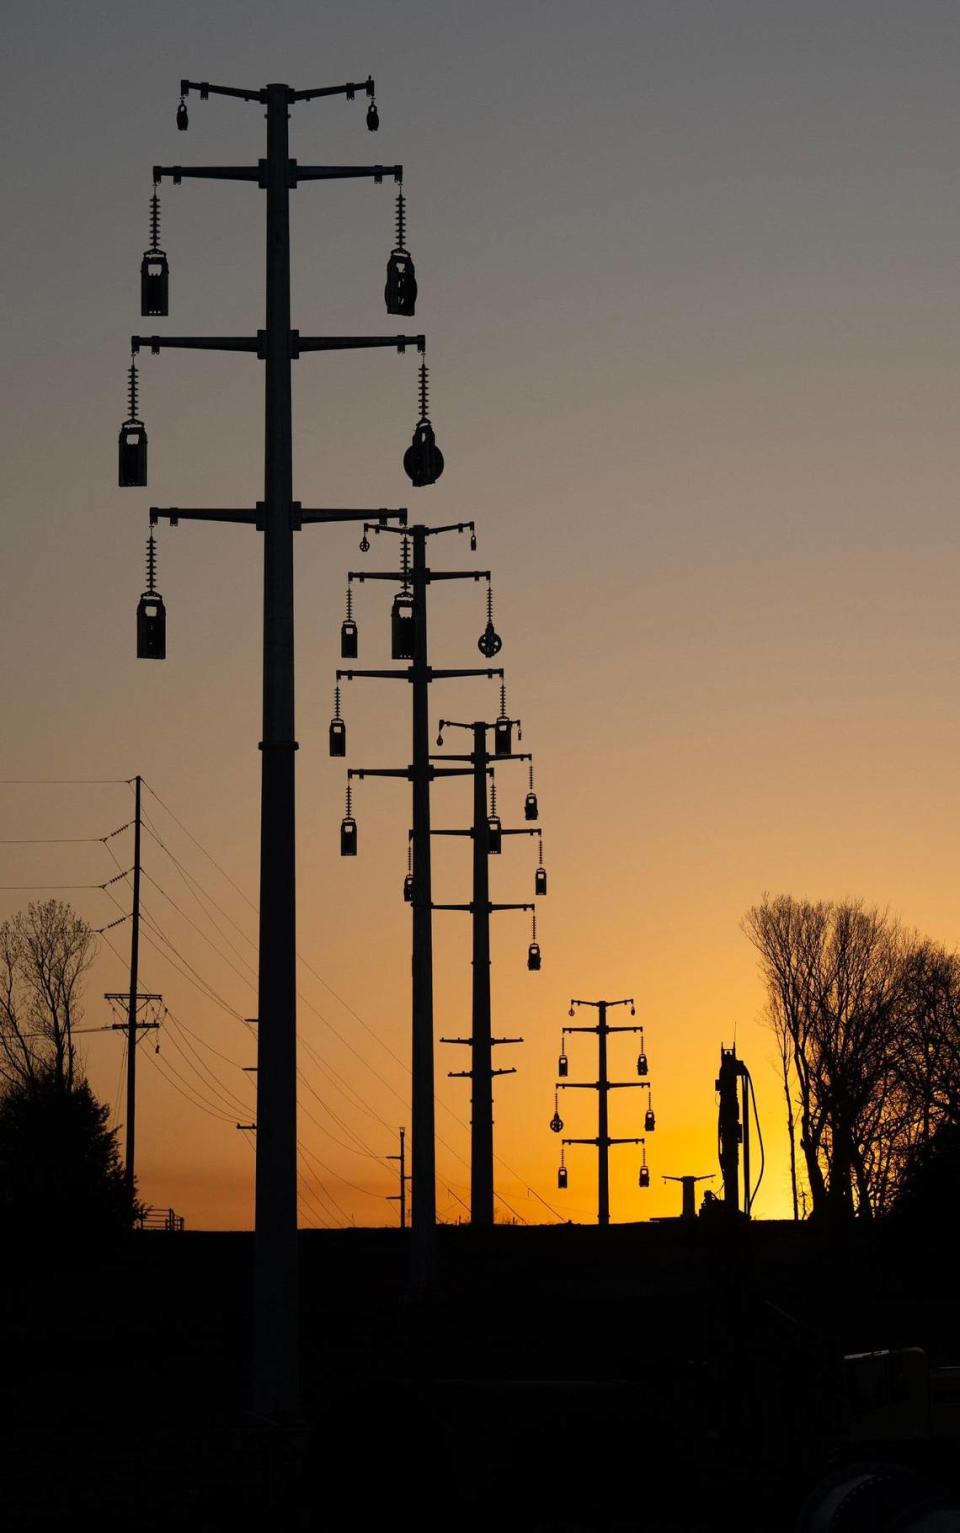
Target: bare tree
(45,951)
(834,977)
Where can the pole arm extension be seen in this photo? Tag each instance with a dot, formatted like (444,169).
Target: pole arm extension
(406,578)
(299,343)
(196,343)
(206,89)
(255,518)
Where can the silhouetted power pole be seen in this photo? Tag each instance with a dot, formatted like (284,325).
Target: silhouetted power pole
(409,641)
(603,1086)
(133,999)
(278,516)
(688,1185)
(486,833)
(401,1196)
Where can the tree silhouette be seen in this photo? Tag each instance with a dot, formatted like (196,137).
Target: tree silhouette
(45,951)
(61,1179)
(867,1022)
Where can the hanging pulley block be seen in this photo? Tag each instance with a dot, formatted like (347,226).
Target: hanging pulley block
(649,1121)
(489,642)
(403,627)
(155,284)
(494,835)
(373,117)
(556,1123)
(349,644)
(400,290)
(183,120)
(348,836)
(423,460)
(642,1065)
(562,1178)
(644,1177)
(408,888)
(533,956)
(531,809)
(133,454)
(151,627)
(338,737)
(563,1065)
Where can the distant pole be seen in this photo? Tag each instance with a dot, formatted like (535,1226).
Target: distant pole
(401,1196)
(420,773)
(481,1040)
(603,1085)
(131,1140)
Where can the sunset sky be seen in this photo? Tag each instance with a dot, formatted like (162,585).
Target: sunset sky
(688,274)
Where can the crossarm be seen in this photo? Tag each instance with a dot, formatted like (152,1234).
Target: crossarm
(345,172)
(196,342)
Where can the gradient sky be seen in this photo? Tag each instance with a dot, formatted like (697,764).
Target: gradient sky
(688,277)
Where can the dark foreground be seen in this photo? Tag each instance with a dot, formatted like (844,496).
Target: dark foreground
(663,1378)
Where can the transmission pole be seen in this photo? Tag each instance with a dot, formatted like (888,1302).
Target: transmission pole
(420,774)
(480,908)
(603,1086)
(277,516)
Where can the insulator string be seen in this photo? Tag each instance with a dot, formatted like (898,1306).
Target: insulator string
(424,391)
(133,391)
(401,221)
(151,565)
(336,704)
(155,220)
(349,801)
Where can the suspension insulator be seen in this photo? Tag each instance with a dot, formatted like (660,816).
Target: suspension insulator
(494,835)
(349,645)
(403,627)
(133,455)
(423,460)
(155,284)
(151,627)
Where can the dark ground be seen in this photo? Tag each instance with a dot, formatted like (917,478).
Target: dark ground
(667,1378)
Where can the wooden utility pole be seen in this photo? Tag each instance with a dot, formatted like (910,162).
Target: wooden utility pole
(133,1000)
(401,1196)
